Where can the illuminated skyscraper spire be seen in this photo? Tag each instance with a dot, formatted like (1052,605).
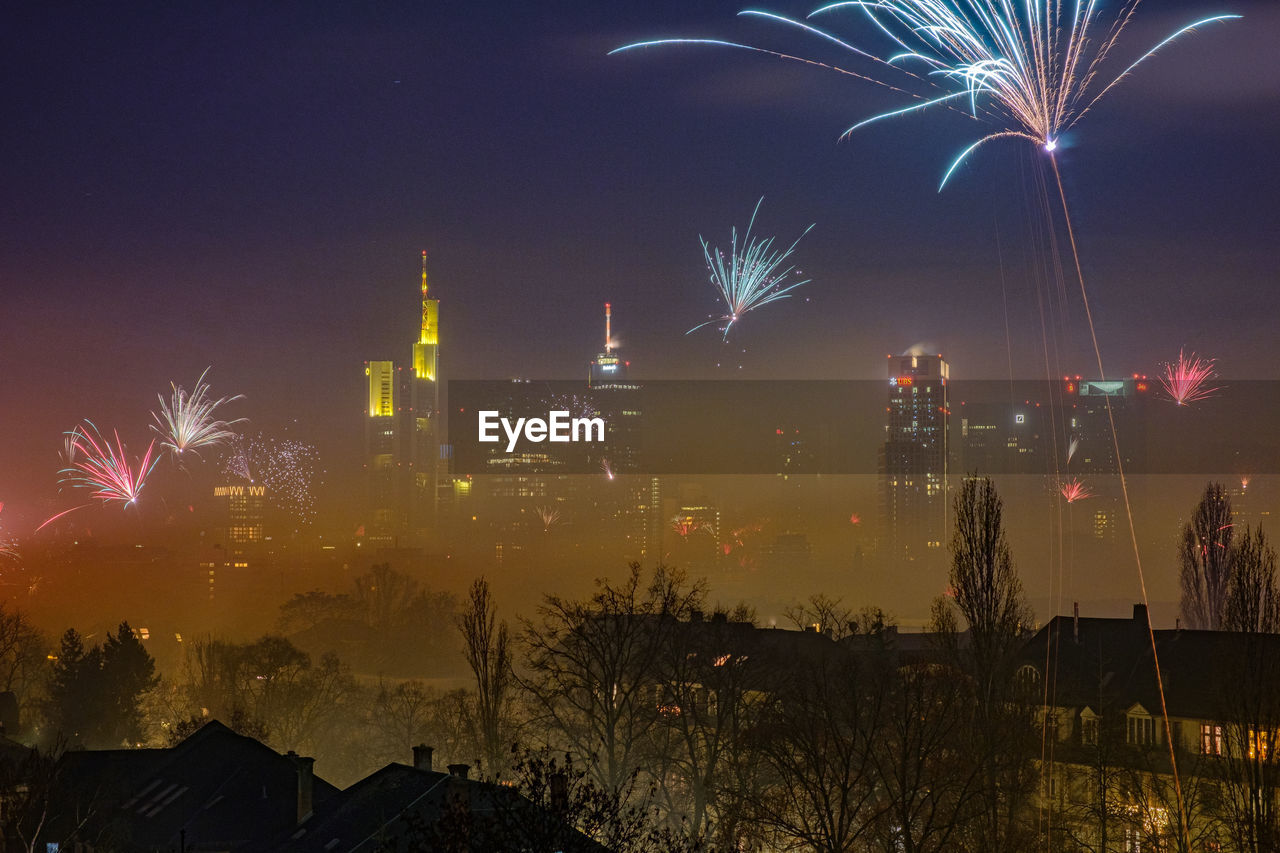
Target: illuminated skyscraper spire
(424,351)
(608,315)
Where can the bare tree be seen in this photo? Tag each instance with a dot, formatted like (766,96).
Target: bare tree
(594,666)
(928,786)
(1249,672)
(1206,555)
(22,655)
(989,597)
(488,653)
(706,707)
(815,745)
(1252,602)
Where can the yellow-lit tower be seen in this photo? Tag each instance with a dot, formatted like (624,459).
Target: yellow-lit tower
(425,355)
(424,429)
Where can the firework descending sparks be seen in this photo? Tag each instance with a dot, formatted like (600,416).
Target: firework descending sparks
(1030,69)
(1073,490)
(1188,380)
(104,469)
(750,276)
(189,421)
(549,516)
(1072,448)
(287,468)
(685,526)
(607,467)
(8,545)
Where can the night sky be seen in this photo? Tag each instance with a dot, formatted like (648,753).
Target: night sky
(249,186)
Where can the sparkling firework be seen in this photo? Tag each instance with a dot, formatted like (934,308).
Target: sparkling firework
(1031,69)
(188,421)
(285,466)
(549,516)
(685,526)
(1188,380)
(103,469)
(1072,448)
(607,468)
(1073,490)
(8,545)
(750,276)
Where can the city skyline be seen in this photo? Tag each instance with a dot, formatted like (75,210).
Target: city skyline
(167,275)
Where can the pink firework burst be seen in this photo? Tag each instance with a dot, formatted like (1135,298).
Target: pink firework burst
(1073,490)
(105,469)
(1188,380)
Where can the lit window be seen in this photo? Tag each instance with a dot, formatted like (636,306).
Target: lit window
(1210,739)
(1259,745)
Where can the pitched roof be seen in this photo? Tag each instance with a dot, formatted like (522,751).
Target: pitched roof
(219,788)
(1093,661)
(385,804)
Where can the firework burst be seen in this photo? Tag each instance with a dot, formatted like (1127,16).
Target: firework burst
(1031,69)
(189,421)
(686,526)
(1073,490)
(286,467)
(549,516)
(607,467)
(1187,380)
(95,464)
(750,275)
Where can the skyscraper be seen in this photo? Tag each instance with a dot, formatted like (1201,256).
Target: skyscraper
(404,466)
(913,463)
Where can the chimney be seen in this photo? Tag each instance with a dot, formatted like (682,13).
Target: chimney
(460,770)
(1140,615)
(306,781)
(1075,621)
(422,757)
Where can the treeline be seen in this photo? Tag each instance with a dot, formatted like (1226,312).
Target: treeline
(687,725)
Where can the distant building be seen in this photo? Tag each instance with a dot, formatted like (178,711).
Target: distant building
(406,465)
(914,457)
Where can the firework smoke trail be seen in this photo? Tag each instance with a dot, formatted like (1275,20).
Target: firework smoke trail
(1073,490)
(751,276)
(1188,380)
(188,421)
(103,469)
(1031,69)
(285,466)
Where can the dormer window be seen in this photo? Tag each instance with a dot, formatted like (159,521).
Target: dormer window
(1089,722)
(1140,728)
